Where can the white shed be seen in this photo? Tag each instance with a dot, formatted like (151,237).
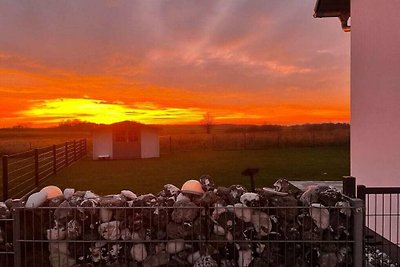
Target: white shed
(125,140)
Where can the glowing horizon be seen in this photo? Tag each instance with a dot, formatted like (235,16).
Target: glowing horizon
(244,62)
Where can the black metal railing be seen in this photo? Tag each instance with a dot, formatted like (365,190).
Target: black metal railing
(23,172)
(382,223)
(125,236)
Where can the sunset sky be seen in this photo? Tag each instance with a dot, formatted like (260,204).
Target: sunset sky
(261,62)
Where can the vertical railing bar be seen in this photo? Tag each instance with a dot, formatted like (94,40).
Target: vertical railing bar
(375,216)
(36,167)
(41,243)
(383,223)
(54,160)
(66,154)
(5,177)
(74,150)
(349,186)
(367,223)
(397,235)
(16,237)
(85,146)
(361,192)
(390,219)
(80,149)
(358,232)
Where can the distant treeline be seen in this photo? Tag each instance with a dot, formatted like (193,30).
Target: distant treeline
(277,128)
(76,125)
(221,128)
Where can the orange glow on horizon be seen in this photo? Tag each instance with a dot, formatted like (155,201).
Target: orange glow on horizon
(52,112)
(102,112)
(203,58)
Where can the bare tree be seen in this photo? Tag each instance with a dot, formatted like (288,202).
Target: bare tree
(208,122)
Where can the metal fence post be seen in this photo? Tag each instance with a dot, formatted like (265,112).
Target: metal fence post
(349,186)
(5,177)
(85,147)
(16,238)
(36,167)
(54,159)
(361,192)
(79,149)
(74,150)
(358,228)
(66,153)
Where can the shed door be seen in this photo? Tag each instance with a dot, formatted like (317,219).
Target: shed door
(126,144)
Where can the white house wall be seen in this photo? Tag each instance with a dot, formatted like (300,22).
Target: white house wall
(375,99)
(102,143)
(150,144)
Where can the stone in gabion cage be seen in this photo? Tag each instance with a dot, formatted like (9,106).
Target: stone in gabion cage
(212,226)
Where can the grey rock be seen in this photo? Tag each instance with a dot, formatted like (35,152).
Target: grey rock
(235,192)
(112,201)
(250,199)
(159,259)
(14,203)
(56,201)
(181,230)
(63,211)
(184,211)
(328,259)
(207,183)
(209,198)
(282,185)
(286,207)
(206,261)
(320,215)
(329,197)
(74,230)
(311,195)
(4,211)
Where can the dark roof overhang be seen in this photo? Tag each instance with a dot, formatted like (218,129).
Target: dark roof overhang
(334,8)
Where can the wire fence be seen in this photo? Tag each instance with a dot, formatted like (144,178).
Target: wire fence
(23,172)
(252,140)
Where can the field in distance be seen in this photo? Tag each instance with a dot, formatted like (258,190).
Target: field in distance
(311,152)
(149,175)
(19,140)
(190,137)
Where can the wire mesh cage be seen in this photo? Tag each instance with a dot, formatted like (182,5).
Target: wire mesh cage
(112,232)
(6,241)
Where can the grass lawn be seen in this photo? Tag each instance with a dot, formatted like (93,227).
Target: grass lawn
(149,175)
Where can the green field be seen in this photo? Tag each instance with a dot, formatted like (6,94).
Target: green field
(149,175)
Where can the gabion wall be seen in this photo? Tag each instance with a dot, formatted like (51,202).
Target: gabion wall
(224,226)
